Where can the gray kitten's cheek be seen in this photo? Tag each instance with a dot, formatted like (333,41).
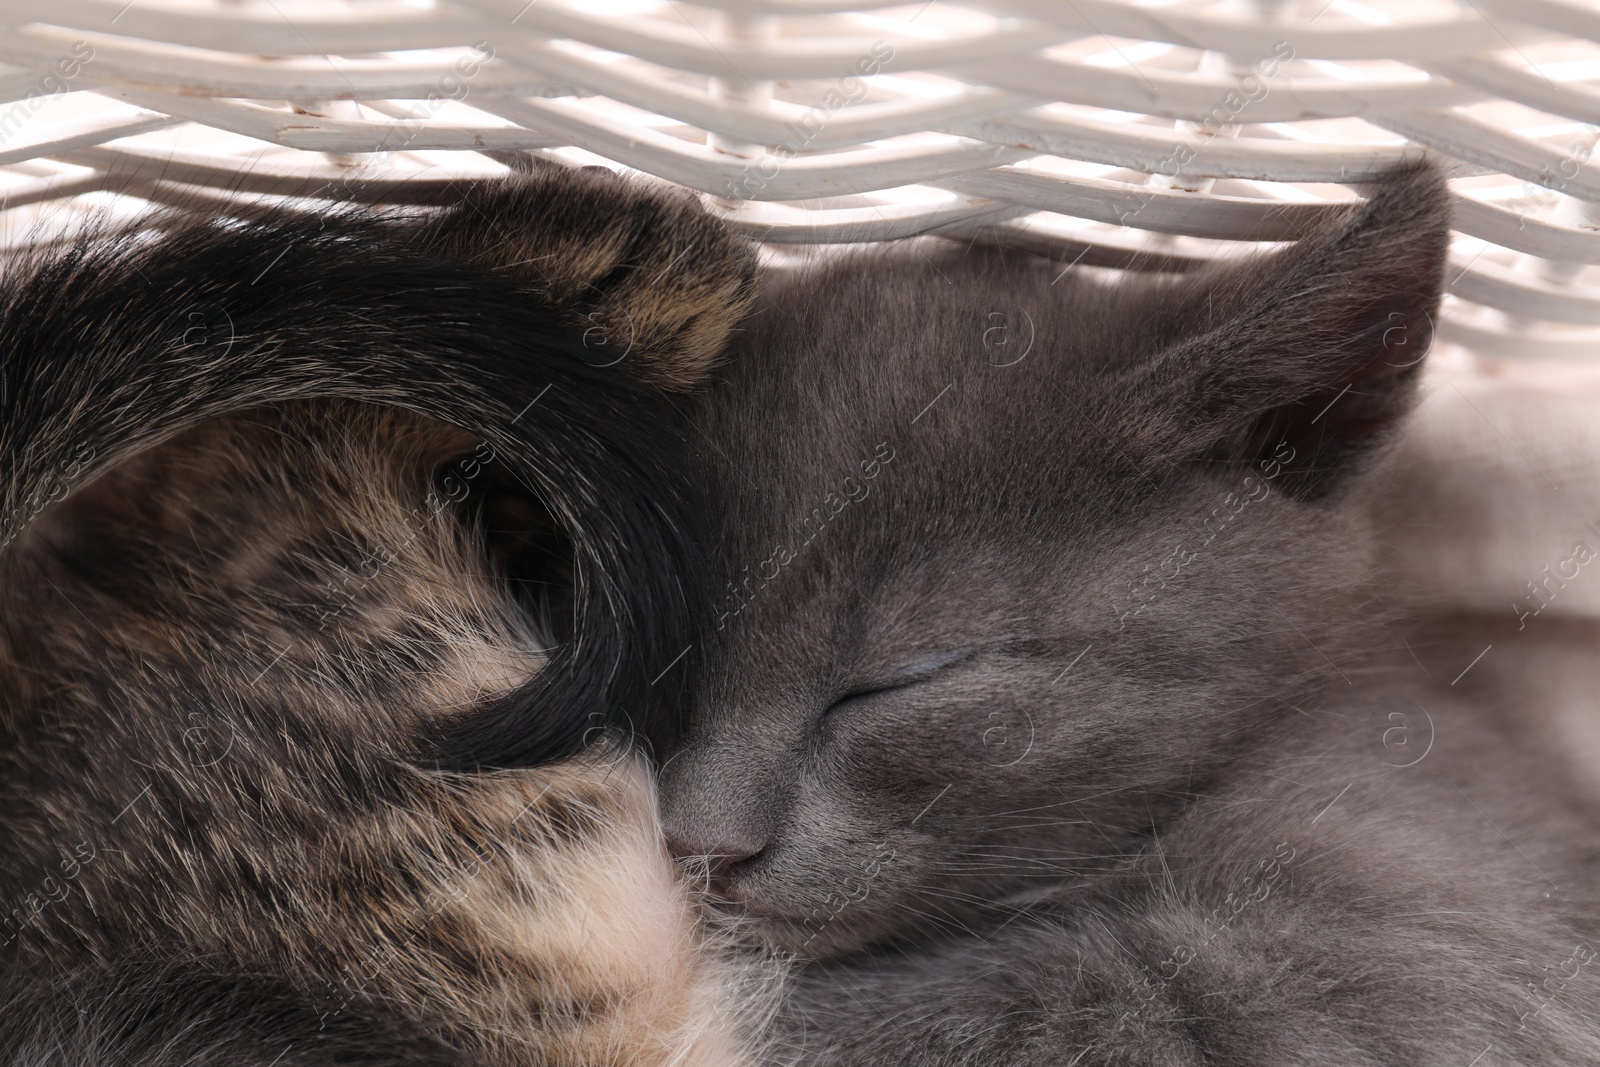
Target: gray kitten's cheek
(1400,732)
(1005,737)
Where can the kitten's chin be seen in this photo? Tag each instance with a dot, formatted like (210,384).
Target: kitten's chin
(790,936)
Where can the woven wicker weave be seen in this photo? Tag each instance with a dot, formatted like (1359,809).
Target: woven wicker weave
(1148,135)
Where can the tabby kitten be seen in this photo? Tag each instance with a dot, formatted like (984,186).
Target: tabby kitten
(301,761)
(1047,706)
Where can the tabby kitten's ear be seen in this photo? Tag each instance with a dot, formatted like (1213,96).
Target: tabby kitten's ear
(653,283)
(1315,349)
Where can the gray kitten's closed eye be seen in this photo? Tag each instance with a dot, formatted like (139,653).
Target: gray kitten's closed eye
(922,669)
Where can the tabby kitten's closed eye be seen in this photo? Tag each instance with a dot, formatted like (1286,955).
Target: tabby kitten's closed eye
(1133,806)
(312,743)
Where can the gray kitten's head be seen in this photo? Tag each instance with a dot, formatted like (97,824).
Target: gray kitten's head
(1011,561)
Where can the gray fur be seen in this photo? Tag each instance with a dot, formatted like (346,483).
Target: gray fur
(1061,738)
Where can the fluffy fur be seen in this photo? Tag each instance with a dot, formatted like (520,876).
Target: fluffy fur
(660,285)
(291,772)
(1048,705)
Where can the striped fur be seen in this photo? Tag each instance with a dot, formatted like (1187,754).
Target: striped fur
(290,772)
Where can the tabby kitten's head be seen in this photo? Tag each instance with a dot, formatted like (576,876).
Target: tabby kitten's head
(1011,559)
(309,746)
(242,638)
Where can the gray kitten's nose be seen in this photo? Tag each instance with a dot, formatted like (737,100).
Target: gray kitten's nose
(719,861)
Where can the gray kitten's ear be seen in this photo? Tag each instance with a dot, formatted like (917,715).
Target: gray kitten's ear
(1313,352)
(652,282)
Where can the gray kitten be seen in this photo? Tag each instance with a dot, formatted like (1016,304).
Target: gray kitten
(1047,707)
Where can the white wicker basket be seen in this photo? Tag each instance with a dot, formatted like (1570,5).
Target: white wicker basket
(1135,134)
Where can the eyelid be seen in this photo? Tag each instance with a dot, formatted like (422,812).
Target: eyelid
(923,669)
